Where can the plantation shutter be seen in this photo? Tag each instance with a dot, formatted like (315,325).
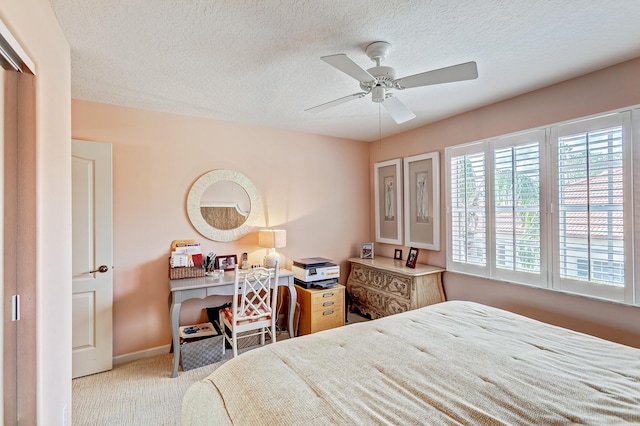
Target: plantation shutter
(516,207)
(592,254)
(467,206)
(591,204)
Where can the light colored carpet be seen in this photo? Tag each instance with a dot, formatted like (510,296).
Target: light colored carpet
(141,392)
(137,393)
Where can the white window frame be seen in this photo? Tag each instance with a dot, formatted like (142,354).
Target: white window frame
(620,294)
(536,279)
(629,119)
(469,149)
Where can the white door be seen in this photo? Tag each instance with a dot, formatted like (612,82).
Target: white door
(92,258)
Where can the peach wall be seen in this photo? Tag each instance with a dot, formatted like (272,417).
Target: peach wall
(601,91)
(44,173)
(315,187)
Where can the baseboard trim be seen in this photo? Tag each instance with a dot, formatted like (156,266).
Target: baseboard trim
(133,356)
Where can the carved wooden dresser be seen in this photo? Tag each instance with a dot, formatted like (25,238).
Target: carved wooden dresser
(384,286)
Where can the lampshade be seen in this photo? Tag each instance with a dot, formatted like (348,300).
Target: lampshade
(272,238)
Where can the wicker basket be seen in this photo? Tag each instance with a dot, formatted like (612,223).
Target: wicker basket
(185,272)
(201,352)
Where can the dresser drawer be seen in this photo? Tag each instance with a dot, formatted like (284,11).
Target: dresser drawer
(397,285)
(375,303)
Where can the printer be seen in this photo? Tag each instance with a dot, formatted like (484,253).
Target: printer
(315,272)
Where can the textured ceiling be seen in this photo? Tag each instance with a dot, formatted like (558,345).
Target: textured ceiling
(258,62)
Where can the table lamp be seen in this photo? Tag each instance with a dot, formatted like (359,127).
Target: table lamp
(272,239)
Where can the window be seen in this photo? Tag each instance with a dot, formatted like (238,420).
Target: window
(516,205)
(496,233)
(467,218)
(550,207)
(591,201)
(592,226)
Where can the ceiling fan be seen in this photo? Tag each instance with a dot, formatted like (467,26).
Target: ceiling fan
(381,80)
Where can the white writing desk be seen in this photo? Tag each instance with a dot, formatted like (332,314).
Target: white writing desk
(199,288)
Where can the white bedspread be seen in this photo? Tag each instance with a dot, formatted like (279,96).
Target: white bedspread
(450,363)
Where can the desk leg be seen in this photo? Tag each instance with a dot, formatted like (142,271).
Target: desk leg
(175,316)
(293,296)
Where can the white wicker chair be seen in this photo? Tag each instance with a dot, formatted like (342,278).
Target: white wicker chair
(255,297)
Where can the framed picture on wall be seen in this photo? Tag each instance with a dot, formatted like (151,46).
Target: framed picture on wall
(422,201)
(366,250)
(387,177)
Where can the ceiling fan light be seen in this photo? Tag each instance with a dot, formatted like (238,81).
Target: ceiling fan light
(377,94)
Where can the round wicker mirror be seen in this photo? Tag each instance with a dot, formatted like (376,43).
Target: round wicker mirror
(223,205)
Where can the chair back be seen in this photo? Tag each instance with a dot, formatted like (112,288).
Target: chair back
(255,293)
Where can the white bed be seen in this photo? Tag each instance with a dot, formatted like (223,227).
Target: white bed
(450,363)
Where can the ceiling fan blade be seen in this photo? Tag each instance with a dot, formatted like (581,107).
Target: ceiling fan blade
(347,66)
(397,110)
(460,72)
(336,102)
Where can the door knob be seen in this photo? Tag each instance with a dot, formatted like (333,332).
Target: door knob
(101,269)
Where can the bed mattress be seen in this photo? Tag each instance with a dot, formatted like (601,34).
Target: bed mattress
(450,363)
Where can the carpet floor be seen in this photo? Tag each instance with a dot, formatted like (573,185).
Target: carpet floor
(140,392)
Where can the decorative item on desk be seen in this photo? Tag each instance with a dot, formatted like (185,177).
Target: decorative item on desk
(209,262)
(272,239)
(413,257)
(218,273)
(366,250)
(226,262)
(245,261)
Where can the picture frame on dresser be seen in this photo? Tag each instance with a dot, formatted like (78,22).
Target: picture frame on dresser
(366,251)
(412,259)
(387,177)
(422,201)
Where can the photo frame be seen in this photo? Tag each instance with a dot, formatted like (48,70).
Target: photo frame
(387,176)
(412,258)
(422,201)
(366,251)
(227,262)
(397,254)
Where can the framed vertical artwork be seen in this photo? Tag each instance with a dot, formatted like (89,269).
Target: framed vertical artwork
(422,201)
(387,176)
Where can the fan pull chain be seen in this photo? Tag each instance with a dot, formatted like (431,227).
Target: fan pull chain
(380,126)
